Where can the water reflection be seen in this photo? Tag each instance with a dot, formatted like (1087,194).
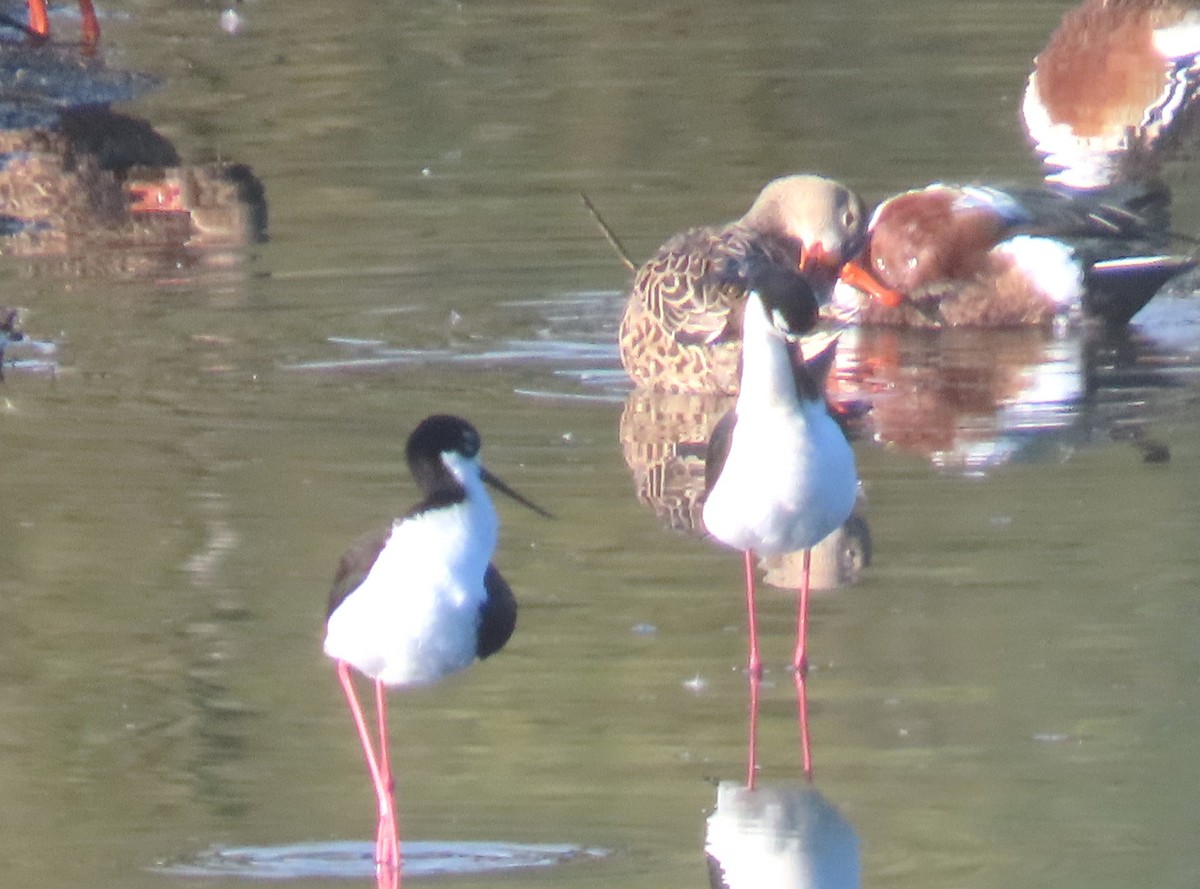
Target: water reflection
(10,332)
(971,400)
(21,350)
(779,835)
(346,860)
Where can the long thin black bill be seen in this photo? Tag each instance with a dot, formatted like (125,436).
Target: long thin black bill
(505,489)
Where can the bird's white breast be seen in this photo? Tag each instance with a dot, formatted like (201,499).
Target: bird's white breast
(415,617)
(788,482)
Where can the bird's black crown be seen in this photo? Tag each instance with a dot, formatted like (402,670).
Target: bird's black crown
(785,292)
(439,434)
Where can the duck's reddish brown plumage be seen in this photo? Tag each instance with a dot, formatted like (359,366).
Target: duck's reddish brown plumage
(955,256)
(921,238)
(1114,92)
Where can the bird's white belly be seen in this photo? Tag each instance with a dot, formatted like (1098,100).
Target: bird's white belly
(785,486)
(380,642)
(415,618)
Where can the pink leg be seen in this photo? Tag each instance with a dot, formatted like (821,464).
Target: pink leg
(387,863)
(752,744)
(802,717)
(387,840)
(800,659)
(39,22)
(90,27)
(755,665)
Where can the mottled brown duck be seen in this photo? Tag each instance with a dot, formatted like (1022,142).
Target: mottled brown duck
(682,327)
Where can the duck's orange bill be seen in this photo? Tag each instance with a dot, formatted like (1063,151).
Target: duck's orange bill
(155,197)
(857,276)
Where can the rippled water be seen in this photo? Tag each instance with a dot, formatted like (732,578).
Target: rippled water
(1009,696)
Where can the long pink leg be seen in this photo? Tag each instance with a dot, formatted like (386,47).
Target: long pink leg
(752,743)
(387,865)
(755,665)
(802,718)
(39,22)
(387,840)
(90,26)
(800,659)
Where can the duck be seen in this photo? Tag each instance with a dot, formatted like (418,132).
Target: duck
(951,255)
(1114,91)
(103,192)
(682,326)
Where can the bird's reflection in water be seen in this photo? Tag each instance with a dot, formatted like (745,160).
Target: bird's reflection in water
(971,400)
(779,835)
(664,439)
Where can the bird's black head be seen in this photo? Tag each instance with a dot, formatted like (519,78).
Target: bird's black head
(786,294)
(440,434)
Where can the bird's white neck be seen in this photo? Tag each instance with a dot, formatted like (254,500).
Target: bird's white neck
(481,527)
(767,377)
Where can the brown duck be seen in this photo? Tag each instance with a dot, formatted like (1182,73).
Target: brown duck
(682,328)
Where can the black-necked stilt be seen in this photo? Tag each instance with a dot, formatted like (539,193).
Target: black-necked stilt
(421,600)
(780,473)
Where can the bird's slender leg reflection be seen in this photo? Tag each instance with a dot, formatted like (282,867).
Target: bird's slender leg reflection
(755,663)
(387,843)
(801,678)
(752,739)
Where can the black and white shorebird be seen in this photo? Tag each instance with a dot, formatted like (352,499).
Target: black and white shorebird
(421,599)
(780,473)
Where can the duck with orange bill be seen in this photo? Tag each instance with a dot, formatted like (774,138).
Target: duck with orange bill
(682,326)
(981,256)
